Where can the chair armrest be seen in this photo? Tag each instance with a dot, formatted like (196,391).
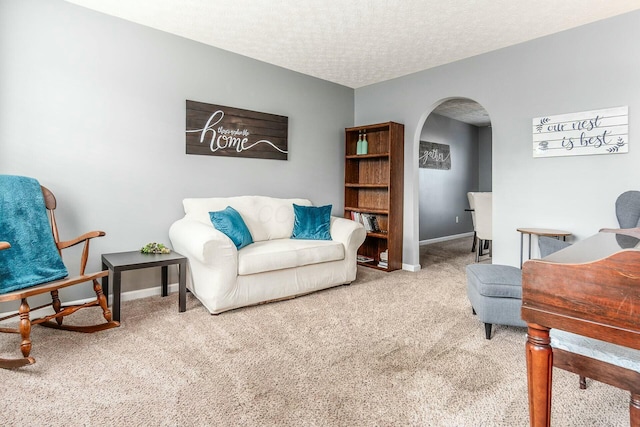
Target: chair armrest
(80,239)
(4,245)
(201,242)
(350,233)
(85,251)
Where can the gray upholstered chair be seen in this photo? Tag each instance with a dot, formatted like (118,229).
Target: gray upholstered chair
(628,209)
(495,293)
(549,245)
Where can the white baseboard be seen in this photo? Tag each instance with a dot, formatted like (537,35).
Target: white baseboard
(125,296)
(445,238)
(144,293)
(411,267)
(417,267)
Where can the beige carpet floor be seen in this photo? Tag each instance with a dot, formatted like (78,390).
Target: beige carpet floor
(392,349)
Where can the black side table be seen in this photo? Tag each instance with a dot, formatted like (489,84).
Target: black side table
(134,260)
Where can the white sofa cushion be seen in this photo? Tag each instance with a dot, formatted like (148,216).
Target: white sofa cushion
(279,254)
(266,217)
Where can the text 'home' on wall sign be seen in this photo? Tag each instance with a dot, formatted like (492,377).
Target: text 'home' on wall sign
(216,130)
(432,155)
(589,132)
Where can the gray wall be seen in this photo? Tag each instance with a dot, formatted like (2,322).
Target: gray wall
(485,148)
(94,108)
(443,193)
(591,67)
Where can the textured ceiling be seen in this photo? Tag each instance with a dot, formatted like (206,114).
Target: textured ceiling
(464,110)
(359,42)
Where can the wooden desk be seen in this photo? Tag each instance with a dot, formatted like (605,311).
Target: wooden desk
(591,288)
(539,232)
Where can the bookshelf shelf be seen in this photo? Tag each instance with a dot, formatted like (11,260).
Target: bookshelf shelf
(378,235)
(367,210)
(374,188)
(358,185)
(366,156)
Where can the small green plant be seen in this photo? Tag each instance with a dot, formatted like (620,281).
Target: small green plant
(155,248)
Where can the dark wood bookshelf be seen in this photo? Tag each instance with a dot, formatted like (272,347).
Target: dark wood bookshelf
(374,185)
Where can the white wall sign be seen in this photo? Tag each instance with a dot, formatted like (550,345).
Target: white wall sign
(589,132)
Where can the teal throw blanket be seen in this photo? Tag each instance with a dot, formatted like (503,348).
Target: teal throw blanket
(33,257)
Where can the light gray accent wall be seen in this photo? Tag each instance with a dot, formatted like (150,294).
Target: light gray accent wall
(443,193)
(485,148)
(94,108)
(590,67)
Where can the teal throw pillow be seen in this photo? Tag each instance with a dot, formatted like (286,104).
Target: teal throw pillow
(229,222)
(311,222)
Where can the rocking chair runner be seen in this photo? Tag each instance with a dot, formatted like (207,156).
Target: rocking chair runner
(52,287)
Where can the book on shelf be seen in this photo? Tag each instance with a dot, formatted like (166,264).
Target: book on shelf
(369,221)
(384,259)
(357,217)
(362,258)
(366,221)
(375,225)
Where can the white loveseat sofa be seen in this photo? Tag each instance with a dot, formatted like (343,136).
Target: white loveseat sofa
(274,266)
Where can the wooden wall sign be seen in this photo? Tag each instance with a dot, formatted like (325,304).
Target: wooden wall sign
(432,155)
(216,130)
(590,132)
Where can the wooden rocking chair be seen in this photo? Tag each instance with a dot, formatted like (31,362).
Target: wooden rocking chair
(52,287)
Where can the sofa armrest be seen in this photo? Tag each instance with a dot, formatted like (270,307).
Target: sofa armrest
(203,243)
(350,233)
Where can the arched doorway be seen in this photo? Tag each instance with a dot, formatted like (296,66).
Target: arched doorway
(454,157)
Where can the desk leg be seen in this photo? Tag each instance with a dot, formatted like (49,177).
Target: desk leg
(105,283)
(521,245)
(539,369)
(634,410)
(117,275)
(165,281)
(182,287)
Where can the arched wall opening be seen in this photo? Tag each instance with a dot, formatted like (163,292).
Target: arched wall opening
(454,146)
